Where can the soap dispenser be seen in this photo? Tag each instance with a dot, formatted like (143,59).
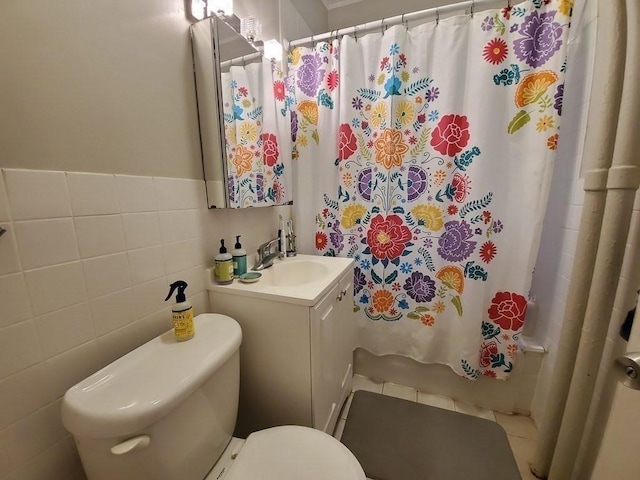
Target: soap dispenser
(223,270)
(182,312)
(239,258)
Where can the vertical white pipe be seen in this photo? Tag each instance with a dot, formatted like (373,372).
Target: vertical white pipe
(622,184)
(600,139)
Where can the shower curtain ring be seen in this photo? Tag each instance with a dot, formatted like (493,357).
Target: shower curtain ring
(355,33)
(404,23)
(473,4)
(382,25)
(508,3)
(437,17)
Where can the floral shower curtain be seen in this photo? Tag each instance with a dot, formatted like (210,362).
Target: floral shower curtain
(426,155)
(257,135)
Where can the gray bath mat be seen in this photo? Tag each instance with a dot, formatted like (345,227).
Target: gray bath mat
(397,439)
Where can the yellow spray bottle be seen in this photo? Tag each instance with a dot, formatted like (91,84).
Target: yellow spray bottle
(182,312)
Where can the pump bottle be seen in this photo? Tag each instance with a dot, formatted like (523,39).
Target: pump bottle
(182,312)
(239,255)
(223,269)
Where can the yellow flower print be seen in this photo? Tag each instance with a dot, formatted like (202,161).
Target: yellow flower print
(428,215)
(404,75)
(390,148)
(405,112)
(438,177)
(303,140)
(246,103)
(381,79)
(565,7)
(378,115)
(545,123)
(347,179)
(242,160)
(294,57)
(230,134)
(248,132)
(351,215)
(439,307)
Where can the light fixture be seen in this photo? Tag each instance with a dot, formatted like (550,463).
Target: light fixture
(221,7)
(250,28)
(273,50)
(198,9)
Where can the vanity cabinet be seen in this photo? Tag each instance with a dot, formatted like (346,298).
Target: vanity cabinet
(296,356)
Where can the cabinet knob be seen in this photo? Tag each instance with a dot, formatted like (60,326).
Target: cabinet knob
(340,296)
(343,292)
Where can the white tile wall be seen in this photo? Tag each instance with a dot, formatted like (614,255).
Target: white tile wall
(84,269)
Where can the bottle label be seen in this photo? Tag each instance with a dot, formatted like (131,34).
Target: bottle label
(223,270)
(183,324)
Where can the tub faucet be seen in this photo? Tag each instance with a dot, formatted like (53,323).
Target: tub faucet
(265,254)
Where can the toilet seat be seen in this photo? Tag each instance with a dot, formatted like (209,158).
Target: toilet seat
(292,453)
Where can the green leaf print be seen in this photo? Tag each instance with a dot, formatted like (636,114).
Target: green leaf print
(519,121)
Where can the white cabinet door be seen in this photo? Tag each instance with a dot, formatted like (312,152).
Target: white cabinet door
(345,340)
(324,375)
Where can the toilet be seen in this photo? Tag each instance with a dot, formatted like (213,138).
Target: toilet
(167,411)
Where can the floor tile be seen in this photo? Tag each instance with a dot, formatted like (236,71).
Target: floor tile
(517,425)
(436,401)
(468,409)
(399,391)
(523,450)
(364,383)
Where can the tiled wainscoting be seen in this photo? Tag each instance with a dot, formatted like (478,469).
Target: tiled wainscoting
(520,430)
(85,266)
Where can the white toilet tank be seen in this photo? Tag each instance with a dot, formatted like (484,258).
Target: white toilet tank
(164,411)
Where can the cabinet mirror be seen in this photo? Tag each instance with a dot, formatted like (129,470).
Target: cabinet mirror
(244,119)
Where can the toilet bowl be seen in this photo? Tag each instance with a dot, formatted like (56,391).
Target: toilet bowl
(167,411)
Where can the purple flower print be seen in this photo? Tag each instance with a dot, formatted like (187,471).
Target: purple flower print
(260,187)
(336,237)
(541,38)
(558,98)
(420,287)
(416,182)
(432,94)
(365,180)
(487,24)
(497,226)
(455,245)
(359,280)
(310,75)
(232,189)
(294,126)
(356,103)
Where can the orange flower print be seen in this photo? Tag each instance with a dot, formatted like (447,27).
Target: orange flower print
(242,160)
(321,240)
(552,142)
(382,300)
(390,148)
(512,349)
(427,320)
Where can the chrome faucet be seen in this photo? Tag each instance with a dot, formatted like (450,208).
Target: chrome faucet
(266,256)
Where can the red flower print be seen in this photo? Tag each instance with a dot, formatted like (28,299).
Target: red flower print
(495,51)
(427,320)
(488,251)
(348,143)
(321,240)
(243,91)
(461,186)
(451,134)
(333,79)
(487,350)
(486,216)
(383,63)
(387,237)
(452,209)
(270,151)
(507,310)
(489,373)
(278,90)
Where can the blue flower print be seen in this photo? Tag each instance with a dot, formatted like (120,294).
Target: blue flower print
(355,123)
(433,115)
(365,264)
(364,298)
(403,304)
(406,267)
(417,262)
(392,86)
(395,49)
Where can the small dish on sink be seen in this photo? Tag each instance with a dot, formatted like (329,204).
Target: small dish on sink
(250,277)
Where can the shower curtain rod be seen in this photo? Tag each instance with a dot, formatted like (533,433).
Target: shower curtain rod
(240,60)
(398,19)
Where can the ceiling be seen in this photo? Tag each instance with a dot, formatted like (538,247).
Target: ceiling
(330,4)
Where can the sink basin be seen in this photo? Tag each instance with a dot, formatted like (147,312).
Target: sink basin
(301,280)
(287,274)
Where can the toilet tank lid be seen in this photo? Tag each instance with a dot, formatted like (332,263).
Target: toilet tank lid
(141,387)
